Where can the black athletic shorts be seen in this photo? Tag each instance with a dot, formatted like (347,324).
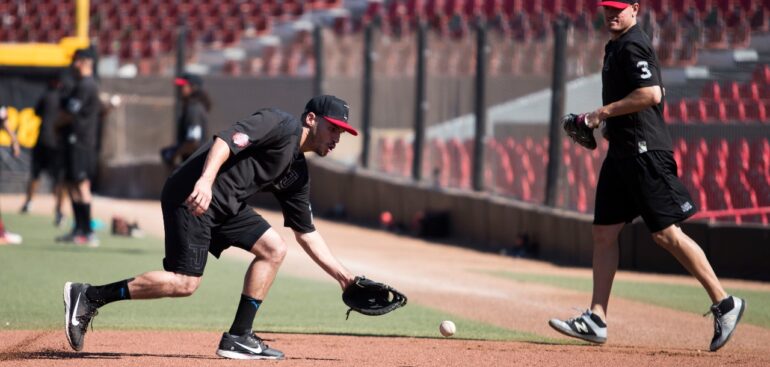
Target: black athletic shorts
(646,185)
(47,159)
(189,238)
(81,163)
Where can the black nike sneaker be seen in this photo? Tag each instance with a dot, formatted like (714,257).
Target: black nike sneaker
(78,312)
(248,346)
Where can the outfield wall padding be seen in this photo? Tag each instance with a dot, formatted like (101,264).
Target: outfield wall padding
(489,223)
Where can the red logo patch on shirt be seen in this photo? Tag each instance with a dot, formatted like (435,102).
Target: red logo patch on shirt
(241,140)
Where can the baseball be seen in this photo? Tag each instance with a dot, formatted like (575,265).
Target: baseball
(447,328)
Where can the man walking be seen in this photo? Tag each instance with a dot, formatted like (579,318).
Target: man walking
(639,177)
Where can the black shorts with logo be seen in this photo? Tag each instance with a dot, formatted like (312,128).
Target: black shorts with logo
(190,238)
(81,163)
(646,185)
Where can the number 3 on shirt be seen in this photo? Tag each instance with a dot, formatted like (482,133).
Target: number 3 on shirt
(646,74)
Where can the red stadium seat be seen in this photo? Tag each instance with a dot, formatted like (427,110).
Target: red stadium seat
(735,111)
(761,75)
(712,90)
(715,110)
(696,111)
(749,91)
(756,112)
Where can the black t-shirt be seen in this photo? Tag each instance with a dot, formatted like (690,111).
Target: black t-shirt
(266,158)
(630,64)
(193,122)
(84,105)
(47,108)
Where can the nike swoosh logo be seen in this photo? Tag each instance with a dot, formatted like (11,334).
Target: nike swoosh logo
(75,321)
(258,350)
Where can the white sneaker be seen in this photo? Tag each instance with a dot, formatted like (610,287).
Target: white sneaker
(587,326)
(727,314)
(9,238)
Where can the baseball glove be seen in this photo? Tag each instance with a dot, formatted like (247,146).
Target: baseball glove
(576,128)
(371,298)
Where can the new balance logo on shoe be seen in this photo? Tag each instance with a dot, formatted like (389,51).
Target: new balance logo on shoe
(581,327)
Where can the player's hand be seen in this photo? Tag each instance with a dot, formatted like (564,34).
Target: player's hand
(200,198)
(593,120)
(16,148)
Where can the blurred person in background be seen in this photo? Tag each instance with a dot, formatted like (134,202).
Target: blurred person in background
(193,121)
(47,153)
(8,238)
(79,124)
(639,178)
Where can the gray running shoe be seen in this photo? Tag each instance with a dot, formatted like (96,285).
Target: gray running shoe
(587,326)
(727,314)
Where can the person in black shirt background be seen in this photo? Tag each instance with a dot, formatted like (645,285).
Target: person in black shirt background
(47,153)
(639,177)
(193,121)
(205,210)
(79,125)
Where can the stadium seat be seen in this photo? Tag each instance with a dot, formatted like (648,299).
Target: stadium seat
(712,90)
(761,75)
(715,111)
(735,111)
(696,111)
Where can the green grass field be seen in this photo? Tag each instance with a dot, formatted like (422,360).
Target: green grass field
(32,277)
(679,297)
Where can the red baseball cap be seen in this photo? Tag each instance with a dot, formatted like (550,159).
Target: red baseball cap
(189,79)
(332,109)
(618,4)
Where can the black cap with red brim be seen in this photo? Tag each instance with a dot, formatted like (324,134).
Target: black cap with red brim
(332,109)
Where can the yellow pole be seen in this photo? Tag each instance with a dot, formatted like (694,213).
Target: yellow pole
(82,19)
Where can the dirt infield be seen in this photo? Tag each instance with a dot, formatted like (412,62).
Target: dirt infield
(197,349)
(448,278)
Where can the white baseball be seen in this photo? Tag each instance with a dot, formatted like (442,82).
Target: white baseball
(447,328)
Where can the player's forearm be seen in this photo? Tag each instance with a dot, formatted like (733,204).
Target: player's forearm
(217,156)
(315,246)
(635,101)
(8,130)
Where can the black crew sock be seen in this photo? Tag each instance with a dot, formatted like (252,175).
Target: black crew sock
(104,294)
(76,217)
(87,229)
(244,317)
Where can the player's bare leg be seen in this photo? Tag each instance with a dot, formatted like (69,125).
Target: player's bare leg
(269,251)
(32,187)
(160,284)
(727,309)
(590,326)
(240,342)
(605,264)
(691,256)
(59,193)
